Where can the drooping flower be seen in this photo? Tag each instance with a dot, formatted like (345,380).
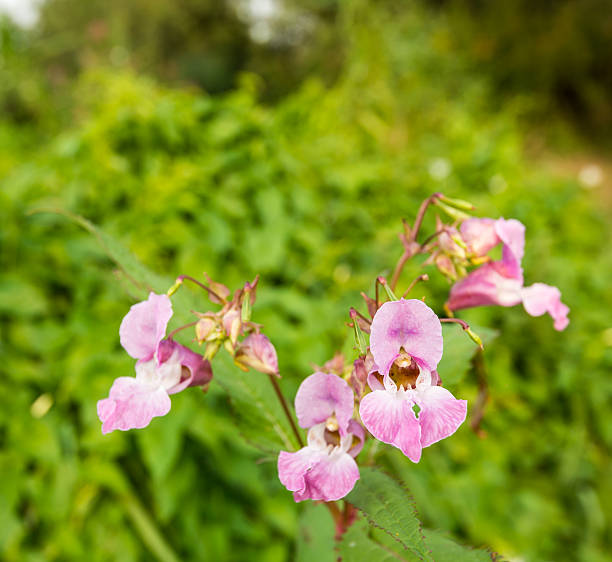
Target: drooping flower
(325,469)
(501,282)
(164,367)
(406,344)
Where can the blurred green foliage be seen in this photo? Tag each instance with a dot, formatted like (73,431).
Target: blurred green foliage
(308,193)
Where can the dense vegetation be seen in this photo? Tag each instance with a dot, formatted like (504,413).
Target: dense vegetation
(309,192)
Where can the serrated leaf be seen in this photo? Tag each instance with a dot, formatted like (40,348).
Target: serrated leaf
(444,549)
(257,412)
(141,276)
(459,350)
(386,504)
(356,546)
(315,540)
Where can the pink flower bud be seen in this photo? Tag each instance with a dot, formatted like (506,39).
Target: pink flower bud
(204,329)
(257,352)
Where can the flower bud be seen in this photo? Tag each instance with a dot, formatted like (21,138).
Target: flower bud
(204,329)
(257,352)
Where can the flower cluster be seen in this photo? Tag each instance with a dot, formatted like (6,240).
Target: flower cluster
(391,391)
(165,367)
(501,282)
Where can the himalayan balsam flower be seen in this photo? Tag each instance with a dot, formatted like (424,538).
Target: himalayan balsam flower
(406,344)
(164,367)
(325,469)
(501,282)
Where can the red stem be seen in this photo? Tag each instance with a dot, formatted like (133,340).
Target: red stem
(463,323)
(423,277)
(212,293)
(285,406)
(180,328)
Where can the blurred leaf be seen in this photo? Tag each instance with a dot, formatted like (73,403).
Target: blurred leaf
(315,540)
(257,412)
(459,350)
(444,549)
(133,269)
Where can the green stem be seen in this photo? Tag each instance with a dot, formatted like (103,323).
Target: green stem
(147,530)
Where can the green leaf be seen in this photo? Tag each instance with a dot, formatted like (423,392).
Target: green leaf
(445,549)
(356,546)
(257,411)
(315,540)
(387,505)
(143,278)
(459,350)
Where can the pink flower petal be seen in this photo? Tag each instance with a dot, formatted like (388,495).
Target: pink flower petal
(390,419)
(440,415)
(410,324)
(144,326)
(479,235)
(198,369)
(293,467)
(512,234)
(356,430)
(540,298)
(257,351)
(485,286)
(319,396)
(132,404)
(332,478)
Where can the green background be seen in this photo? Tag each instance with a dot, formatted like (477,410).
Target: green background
(202,149)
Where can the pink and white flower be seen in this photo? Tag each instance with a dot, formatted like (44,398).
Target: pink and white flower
(406,344)
(501,282)
(325,469)
(164,367)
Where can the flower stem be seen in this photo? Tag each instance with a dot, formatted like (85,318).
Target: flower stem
(423,277)
(463,323)
(180,328)
(409,250)
(338,519)
(285,406)
(399,266)
(483,393)
(421,213)
(181,278)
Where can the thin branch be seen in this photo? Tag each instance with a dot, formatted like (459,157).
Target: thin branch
(357,313)
(181,328)
(338,518)
(462,323)
(212,293)
(431,237)
(423,277)
(399,266)
(421,213)
(285,406)
(483,393)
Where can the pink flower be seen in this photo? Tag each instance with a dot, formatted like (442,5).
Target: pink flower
(322,397)
(322,470)
(325,469)
(408,324)
(406,340)
(501,282)
(164,367)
